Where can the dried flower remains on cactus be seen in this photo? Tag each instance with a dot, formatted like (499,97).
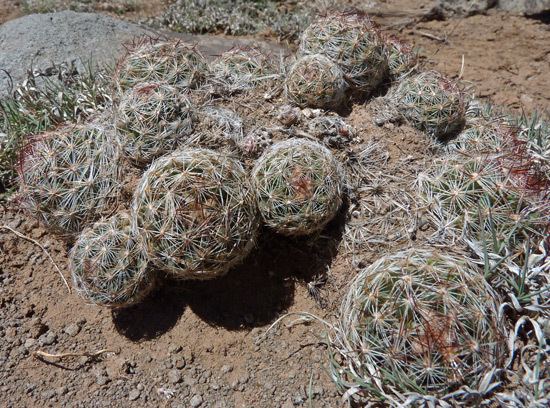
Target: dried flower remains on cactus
(332,130)
(351,41)
(416,323)
(153,119)
(109,263)
(315,81)
(198,213)
(299,185)
(71,177)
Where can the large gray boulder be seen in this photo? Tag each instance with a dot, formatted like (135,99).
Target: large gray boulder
(465,7)
(41,40)
(527,7)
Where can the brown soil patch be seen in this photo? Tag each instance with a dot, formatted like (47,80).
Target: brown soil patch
(9,9)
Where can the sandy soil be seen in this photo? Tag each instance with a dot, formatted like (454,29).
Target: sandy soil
(206,344)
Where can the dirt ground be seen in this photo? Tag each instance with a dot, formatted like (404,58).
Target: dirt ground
(207,344)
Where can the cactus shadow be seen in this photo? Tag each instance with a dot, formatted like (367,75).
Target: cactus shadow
(259,290)
(152,317)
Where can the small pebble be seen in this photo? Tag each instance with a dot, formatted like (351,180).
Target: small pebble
(102,380)
(30,343)
(134,395)
(72,329)
(47,339)
(174,376)
(180,363)
(173,349)
(226,369)
(196,401)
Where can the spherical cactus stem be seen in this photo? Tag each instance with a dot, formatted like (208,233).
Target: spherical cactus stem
(197,211)
(299,186)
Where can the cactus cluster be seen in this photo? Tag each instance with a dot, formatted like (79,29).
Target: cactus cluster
(109,263)
(299,186)
(71,176)
(416,324)
(152,119)
(315,81)
(351,41)
(240,69)
(173,62)
(197,211)
(431,102)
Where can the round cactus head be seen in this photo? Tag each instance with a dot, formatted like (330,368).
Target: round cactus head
(315,81)
(299,186)
(152,118)
(351,41)
(109,263)
(417,322)
(71,177)
(483,137)
(198,212)
(431,102)
(402,58)
(476,198)
(240,69)
(172,62)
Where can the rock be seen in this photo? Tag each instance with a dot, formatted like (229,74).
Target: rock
(465,7)
(72,329)
(526,7)
(174,376)
(317,390)
(30,343)
(102,380)
(10,333)
(48,394)
(40,40)
(196,401)
(180,363)
(190,380)
(226,369)
(173,349)
(36,327)
(134,395)
(47,339)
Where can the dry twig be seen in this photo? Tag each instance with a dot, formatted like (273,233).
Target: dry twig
(42,354)
(35,242)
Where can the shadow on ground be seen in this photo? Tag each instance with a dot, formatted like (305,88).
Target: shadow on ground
(154,316)
(253,294)
(259,290)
